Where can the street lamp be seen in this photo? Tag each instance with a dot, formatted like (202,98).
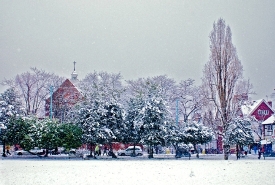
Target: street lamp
(51,102)
(2,131)
(177,111)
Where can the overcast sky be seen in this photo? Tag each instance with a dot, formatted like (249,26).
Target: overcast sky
(136,38)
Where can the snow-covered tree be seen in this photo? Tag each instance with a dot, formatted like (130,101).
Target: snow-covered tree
(113,120)
(196,133)
(9,109)
(102,86)
(89,119)
(133,122)
(239,133)
(9,106)
(221,74)
(190,99)
(154,122)
(160,86)
(175,135)
(48,139)
(11,97)
(101,122)
(33,88)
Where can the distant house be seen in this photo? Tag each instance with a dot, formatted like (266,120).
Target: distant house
(64,98)
(261,111)
(269,128)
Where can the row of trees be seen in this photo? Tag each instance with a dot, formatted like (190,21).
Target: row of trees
(146,121)
(215,101)
(106,86)
(46,134)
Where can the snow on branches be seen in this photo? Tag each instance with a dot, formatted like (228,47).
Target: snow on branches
(239,132)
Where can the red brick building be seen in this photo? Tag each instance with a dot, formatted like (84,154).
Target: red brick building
(64,98)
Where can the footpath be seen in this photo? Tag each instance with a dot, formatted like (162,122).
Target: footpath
(144,157)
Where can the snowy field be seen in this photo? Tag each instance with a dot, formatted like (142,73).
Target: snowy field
(141,172)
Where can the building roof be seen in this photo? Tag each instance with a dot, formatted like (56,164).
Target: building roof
(269,120)
(67,83)
(250,108)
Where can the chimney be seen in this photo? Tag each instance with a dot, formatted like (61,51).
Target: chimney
(270,103)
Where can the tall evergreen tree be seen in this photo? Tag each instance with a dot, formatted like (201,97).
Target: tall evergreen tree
(133,122)
(114,123)
(155,120)
(9,108)
(89,119)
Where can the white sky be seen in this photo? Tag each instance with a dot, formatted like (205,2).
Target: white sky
(136,38)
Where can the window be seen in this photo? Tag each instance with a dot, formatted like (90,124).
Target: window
(269,128)
(263,112)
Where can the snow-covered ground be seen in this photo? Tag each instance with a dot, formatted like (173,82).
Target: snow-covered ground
(141,172)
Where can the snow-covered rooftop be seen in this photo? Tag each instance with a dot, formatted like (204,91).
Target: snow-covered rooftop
(270,120)
(247,109)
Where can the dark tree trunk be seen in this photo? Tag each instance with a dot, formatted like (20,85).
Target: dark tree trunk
(46,153)
(238,151)
(134,151)
(226,150)
(111,153)
(197,152)
(4,149)
(151,152)
(176,149)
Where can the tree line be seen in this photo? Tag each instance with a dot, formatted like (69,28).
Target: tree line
(146,121)
(214,103)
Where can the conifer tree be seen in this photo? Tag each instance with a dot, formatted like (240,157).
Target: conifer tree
(155,120)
